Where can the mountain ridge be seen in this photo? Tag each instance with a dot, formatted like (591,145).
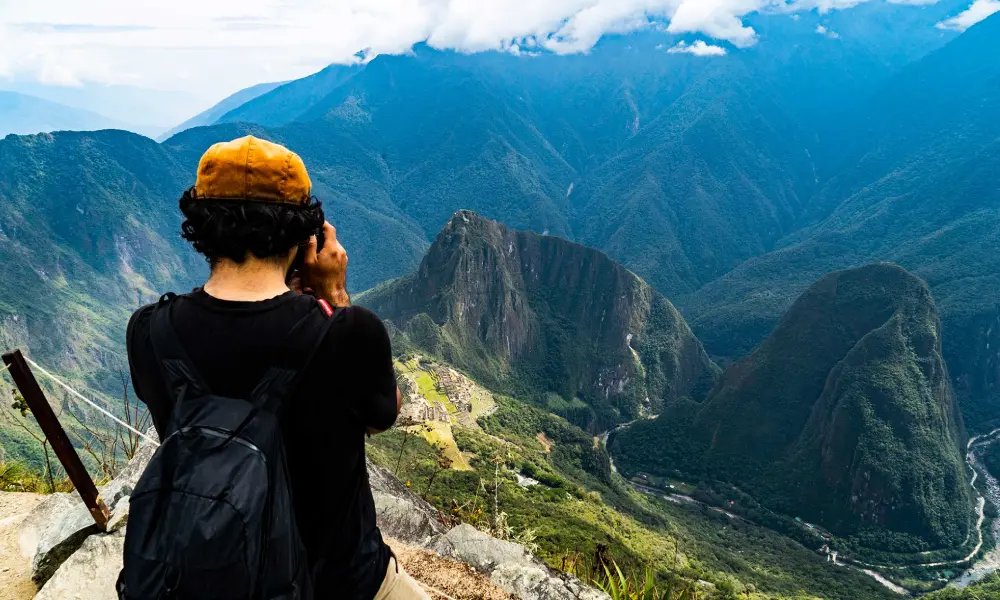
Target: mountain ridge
(844,415)
(22,114)
(518,309)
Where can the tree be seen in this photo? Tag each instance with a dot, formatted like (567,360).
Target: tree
(17,416)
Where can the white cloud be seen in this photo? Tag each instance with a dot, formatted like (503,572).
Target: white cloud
(699,48)
(213,47)
(979,10)
(822,30)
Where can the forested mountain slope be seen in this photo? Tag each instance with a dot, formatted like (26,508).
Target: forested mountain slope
(844,415)
(546,319)
(924,194)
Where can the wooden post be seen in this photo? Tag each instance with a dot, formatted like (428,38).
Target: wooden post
(56,436)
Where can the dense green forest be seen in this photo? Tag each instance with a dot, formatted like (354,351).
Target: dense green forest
(580,507)
(548,320)
(843,416)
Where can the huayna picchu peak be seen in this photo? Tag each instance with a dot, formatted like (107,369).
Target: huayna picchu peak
(844,416)
(549,319)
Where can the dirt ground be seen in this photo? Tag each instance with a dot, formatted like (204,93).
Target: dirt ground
(15,572)
(443,578)
(446,579)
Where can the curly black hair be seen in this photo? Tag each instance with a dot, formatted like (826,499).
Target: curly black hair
(233,228)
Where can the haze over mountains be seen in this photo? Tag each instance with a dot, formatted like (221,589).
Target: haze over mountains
(21,114)
(686,169)
(534,220)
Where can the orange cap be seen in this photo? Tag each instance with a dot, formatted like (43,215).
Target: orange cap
(253,169)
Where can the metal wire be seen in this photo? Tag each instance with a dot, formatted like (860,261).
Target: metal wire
(89,401)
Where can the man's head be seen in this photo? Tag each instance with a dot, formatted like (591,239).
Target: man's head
(252,200)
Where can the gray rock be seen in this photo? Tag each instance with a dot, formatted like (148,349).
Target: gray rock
(511,567)
(401,514)
(53,531)
(90,574)
(61,523)
(122,485)
(484,553)
(119,518)
(75,564)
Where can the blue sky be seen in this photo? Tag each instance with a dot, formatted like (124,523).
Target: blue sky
(207,49)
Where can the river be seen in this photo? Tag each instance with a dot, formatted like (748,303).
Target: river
(989,563)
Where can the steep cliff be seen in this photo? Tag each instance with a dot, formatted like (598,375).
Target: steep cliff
(844,415)
(549,319)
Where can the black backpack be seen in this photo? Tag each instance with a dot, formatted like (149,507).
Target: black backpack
(212,516)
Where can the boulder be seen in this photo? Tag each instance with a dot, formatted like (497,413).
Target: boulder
(53,531)
(90,573)
(119,517)
(401,514)
(122,485)
(512,567)
(70,562)
(61,523)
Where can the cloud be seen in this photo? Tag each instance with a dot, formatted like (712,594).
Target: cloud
(699,48)
(218,46)
(822,30)
(980,10)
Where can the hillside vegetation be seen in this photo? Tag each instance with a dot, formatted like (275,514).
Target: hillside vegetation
(921,192)
(843,416)
(548,320)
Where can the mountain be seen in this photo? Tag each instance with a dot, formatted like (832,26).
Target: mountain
(548,319)
(149,111)
(844,415)
(213,114)
(22,114)
(288,102)
(714,170)
(920,193)
(90,230)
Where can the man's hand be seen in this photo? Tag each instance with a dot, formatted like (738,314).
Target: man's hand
(326,272)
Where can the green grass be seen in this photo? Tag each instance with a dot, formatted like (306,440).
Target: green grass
(427,385)
(580,506)
(987,589)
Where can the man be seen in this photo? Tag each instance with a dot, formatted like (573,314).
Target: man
(251,214)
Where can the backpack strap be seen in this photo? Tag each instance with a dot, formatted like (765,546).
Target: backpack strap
(295,354)
(179,374)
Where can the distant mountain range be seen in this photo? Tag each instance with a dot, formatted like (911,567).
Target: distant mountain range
(21,114)
(919,188)
(728,183)
(214,114)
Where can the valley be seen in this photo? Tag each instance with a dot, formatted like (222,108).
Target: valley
(731,320)
(660,495)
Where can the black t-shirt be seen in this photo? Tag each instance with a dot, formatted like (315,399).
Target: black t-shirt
(349,387)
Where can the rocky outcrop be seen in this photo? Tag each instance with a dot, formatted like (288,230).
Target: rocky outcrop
(53,532)
(122,485)
(511,567)
(76,561)
(401,514)
(90,573)
(510,307)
